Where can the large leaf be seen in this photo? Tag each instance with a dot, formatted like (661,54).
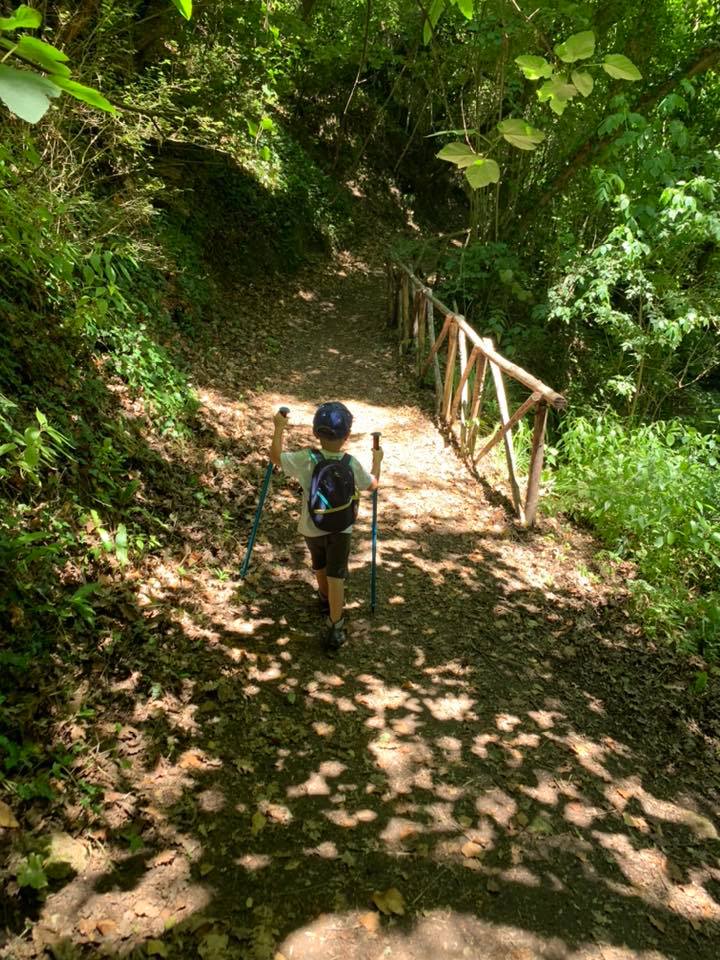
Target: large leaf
(23,17)
(25,94)
(87,94)
(185,7)
(434,14)
(620,67)
(466,7)
(520,134)
(534,68)
(42,54)
(579,46)
(458,153)
(482,173)
(583,81)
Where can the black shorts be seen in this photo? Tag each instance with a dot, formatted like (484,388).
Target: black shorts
(330,552)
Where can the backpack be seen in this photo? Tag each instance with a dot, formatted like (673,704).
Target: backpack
(333,499)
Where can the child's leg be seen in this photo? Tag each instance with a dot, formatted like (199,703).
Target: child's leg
(336,595)
(338,552)
(322,581)
(318,557)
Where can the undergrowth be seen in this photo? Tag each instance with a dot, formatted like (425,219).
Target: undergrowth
(651,494)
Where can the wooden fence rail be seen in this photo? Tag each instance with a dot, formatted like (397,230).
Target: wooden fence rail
(459,391)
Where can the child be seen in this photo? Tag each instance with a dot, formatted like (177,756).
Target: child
(329,552)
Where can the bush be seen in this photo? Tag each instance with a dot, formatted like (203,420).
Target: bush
(651,493)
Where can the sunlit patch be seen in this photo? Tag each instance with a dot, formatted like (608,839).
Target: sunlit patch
(399,829)
(545,719)
(497,804)
(507,722)
(480,744)
(582,814)
(211,801)
(326,851)
(451,708)
(252,862)
(323,729)
(276,812)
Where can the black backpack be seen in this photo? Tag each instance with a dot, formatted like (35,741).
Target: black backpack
(333,499)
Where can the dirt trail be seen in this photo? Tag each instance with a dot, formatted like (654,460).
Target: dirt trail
(498,744)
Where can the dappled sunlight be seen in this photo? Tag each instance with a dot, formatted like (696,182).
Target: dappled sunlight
(441,934)
(470,747)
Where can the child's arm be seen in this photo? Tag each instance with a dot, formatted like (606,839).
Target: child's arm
(281,421)
(375,469)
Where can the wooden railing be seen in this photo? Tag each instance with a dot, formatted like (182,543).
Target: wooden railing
(459,391)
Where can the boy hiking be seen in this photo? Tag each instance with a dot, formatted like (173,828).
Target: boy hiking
(331,481)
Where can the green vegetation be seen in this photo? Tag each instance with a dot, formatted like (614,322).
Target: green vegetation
(553,172)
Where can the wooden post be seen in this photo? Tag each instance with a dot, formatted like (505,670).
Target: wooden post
(515,418)
(438,343)
(536,463)
(434,356)
(466,368)
(463,354)
(421,315)
(390,280)
(450,371)
(476,402)
(507,437)
(405,311)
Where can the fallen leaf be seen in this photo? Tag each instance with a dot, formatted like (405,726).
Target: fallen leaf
(522,818)
(258,823)
(540,825)
(6,817)
(371,922)
(162,859)
(657,923)
(390,901)
(107,927)
(87,927)
(471,850)
(492,885)
(156,948)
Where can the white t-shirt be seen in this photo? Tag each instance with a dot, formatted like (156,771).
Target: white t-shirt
(301,466)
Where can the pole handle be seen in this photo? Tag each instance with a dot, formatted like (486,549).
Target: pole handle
(376,440)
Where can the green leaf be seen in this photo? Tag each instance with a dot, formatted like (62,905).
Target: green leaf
(31,873)
(87,94)
(121,544)
(23,17)
(458,153)
(42,54)
(583,82)
(520,134)
(25,94)
(620,67)
(701,682)
(434,14)
(156,948)
(534,68)
(466,8)
(258,823)
(579,46)
(185,7)
(558,105)
(482,173)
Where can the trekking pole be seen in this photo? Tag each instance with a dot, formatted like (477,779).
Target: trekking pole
(258,513)
(373,568)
